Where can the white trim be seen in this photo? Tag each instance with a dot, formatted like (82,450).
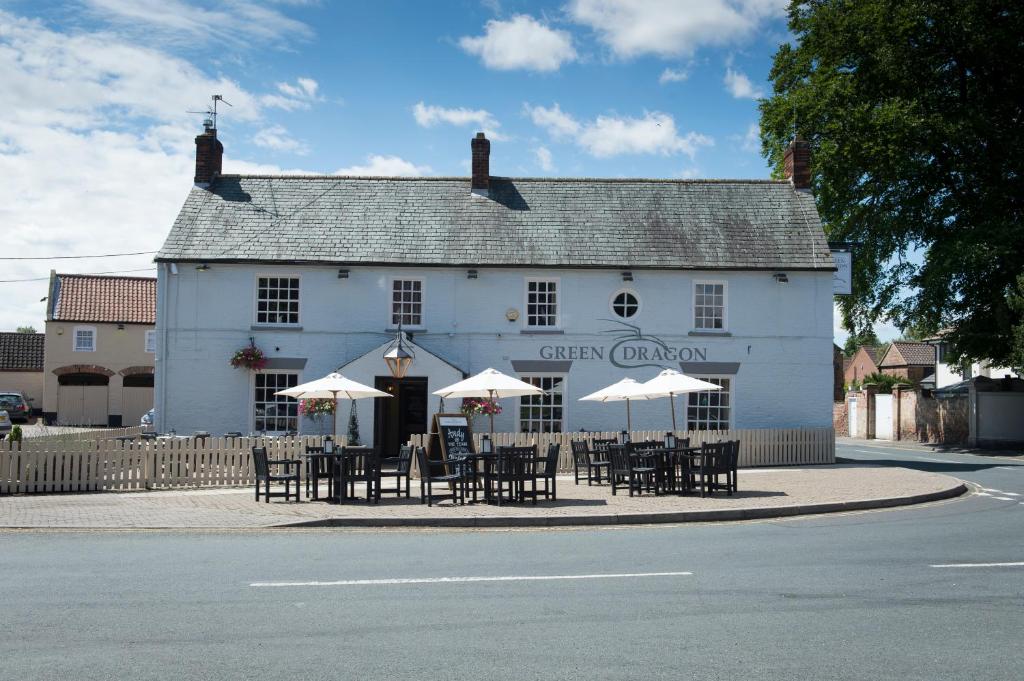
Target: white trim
(632,292)
(732,398)
(256,298)
(149,344)
(558,303)
(74,338)
(391,326)
(565,396)
(252,396)
(725,305)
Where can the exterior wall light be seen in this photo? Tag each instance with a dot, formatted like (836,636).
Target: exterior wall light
(471,274)
(202,268)
(397,357)
(781,278)
(342,274)
(627,276)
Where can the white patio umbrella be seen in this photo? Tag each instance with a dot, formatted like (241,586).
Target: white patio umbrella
(627,389)
(670,383)
(332,386)
(493,385)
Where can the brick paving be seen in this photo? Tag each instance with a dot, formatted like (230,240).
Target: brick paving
(235,507)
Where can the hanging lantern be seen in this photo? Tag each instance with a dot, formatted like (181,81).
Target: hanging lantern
(397,357)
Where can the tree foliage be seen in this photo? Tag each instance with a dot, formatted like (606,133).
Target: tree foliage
(26,329)
(855,340)
(913,109)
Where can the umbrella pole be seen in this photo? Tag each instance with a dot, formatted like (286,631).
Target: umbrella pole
(629,420)
(672,401)
(334,425)
(491,415)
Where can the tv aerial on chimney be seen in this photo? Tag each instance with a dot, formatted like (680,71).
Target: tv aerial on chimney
(210,122)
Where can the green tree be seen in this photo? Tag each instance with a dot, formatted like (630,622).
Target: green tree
(1017,304)
(26,329)
(353,426)
(855,340)
(913,111)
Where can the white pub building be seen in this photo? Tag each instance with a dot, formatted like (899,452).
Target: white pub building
(571,284)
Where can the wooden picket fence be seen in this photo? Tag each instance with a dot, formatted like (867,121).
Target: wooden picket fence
(52,465)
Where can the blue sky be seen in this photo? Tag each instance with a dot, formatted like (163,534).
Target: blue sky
(95,130)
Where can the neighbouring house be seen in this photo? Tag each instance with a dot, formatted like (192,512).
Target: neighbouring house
(950,374)
(21,365)
(911,360)
(863,363)
(570,284)
(100,345)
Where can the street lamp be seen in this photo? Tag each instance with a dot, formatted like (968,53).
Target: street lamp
(397,357)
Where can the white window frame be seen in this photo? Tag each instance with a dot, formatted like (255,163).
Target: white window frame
(565,397)
(557,281)
(252,398)
(632,292)
(256,299)
(423,299)
(725,305)
(150,341)
(732,397)
(74,339)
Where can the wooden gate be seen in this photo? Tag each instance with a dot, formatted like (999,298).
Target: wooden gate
(82,405)
(134,403)
(883,417)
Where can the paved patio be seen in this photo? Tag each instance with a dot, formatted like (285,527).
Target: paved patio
(763,493)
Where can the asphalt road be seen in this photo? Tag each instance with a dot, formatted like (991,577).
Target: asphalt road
(830,597)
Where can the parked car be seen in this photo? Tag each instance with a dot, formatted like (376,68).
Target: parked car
(147,419)
(5,424)
(16,406)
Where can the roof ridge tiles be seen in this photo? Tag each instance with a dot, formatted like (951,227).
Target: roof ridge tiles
(452,178)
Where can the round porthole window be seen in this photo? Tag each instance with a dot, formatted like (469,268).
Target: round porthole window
(625,304)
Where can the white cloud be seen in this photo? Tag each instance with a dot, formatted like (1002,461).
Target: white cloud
(556,122)
(543,156)
(238,23)
(290,97)
(673,76)
(739,85)
(96,150)
(672,28)
(386,166)
(276,137)
(521,42)
(751,141)
(654,133)
(429,115)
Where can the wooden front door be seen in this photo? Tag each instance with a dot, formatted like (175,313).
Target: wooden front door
(396,418)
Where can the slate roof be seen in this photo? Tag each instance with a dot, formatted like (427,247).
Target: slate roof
(665,224)
(91,298)
(21,351)
(904,353)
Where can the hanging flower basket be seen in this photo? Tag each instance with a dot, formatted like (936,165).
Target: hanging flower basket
(472,406)
(316,408)
(249,357)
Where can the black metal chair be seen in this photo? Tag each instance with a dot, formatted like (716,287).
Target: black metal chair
(401,470)
(550,472)
(453,480)
(715,461)
(619,465)
(263,466)
(582,458)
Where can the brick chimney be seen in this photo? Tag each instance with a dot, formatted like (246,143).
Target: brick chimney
(481,147)
(209,154)
(797,162)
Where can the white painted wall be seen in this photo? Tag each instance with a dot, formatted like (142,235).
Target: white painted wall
(781,334)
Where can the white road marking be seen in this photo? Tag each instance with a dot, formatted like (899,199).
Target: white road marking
(1008,468)
(974,565)
(1005,498)
(1011,494)
(982,494)
(911,456)
(451,580)
(988,489)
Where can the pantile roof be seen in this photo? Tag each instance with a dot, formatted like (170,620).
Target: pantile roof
(91,298)
(664,224)
(21,351)
(906,353)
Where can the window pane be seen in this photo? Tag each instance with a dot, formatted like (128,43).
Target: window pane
(277,300)
(541,413)
(275,413)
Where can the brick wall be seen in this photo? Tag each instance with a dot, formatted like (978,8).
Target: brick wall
(839,418)
(926,419)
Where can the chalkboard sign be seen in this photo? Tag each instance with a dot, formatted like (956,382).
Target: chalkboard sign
(450,436)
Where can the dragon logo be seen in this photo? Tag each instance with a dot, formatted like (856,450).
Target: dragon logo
(633,349)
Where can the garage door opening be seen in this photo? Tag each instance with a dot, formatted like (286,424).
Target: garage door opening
(82,399)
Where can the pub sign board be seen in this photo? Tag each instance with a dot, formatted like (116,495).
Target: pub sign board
(451,435)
